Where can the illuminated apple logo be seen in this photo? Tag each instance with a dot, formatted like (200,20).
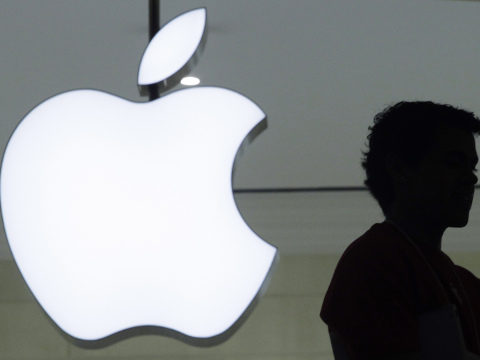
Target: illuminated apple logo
(121,216)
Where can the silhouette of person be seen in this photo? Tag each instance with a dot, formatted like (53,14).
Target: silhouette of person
(420,167)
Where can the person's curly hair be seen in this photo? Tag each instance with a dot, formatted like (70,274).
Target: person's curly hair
(407,130)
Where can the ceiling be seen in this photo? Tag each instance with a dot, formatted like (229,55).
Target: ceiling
(319,69)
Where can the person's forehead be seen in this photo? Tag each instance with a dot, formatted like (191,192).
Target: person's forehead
(455,140)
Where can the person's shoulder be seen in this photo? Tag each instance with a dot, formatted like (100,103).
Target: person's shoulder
(471,286)
(378,253)
(381,240)
(465,274)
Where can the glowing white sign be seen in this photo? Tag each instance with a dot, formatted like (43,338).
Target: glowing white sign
(121,215)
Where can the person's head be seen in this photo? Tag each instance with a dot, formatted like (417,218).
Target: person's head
(422,152)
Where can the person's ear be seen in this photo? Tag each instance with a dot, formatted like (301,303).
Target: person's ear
(396,167)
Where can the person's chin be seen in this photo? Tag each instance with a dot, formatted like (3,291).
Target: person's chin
(459,221)
(458,213)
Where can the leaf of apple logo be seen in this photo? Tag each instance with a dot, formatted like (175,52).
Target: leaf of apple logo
(121,216)
(165,62)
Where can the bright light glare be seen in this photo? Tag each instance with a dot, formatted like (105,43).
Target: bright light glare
(190,81)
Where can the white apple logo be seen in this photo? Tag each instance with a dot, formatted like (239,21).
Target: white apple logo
(120,215)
